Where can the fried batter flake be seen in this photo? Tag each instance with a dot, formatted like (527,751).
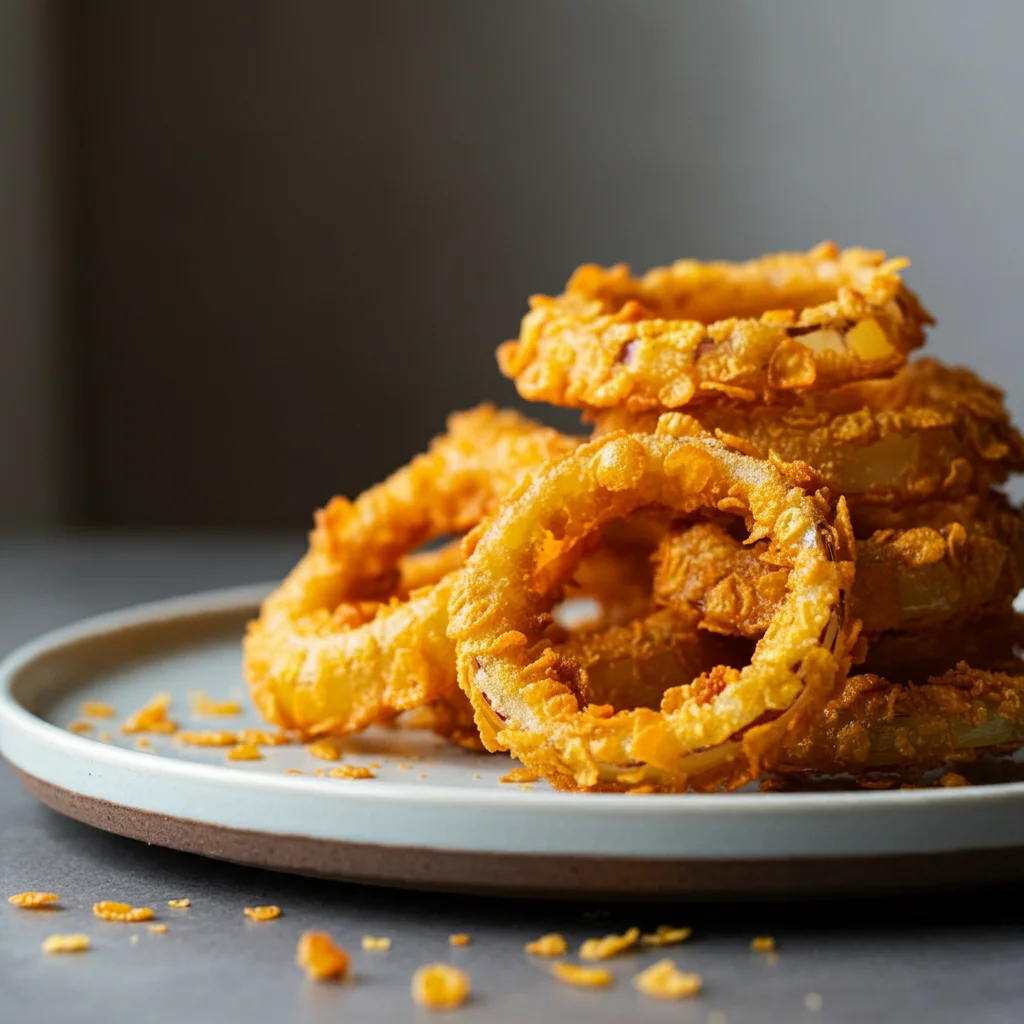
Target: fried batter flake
(205,706)
(179,904)
(664,980)
(376,945)
(553,944)
(262,913)
(245,752)
(77,943)
(763,944)
(157,929)
(151,718)
(351,771)
(79,727)
(459,939)
(440,987)
(609,946)
(324,750)
(519,775)
(666,935)
(97,709)
(583,977)
(207,737)
(321,959)
(33,900)
(109,910)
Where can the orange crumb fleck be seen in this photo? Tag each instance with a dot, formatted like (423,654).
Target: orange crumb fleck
(96,709)
(524,785)
(80,727)
(292,771)
(422,775)
(548,945)
(351,771)
(320,957)
(324,750)
(381,945)
(66,944)
(763,944)
(152,717)
(519,775)
(440,987)
(262,738)
(157,929)
(207,737)
(666,935)
(262,913)
(144,744)
(952,779)
(373,764)
(459,939)
(404,767)
(179,904)
(609,946)
(204,705)
(245,752)
(583,977)
(104,737)
(33,900)
(319,772)
(111,911)
(664,980)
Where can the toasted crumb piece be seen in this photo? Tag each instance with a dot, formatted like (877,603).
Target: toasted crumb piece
(763,944)
(142,743)
(351,771)
(404,767)
(666,935)
(79,727)
(208,737)
(949,780)
(524,785)
(111,911)
(33,900)
(321,959)
(375,945)
(96,709)
(324,750)
(179,904)
(262,913)
(66,944)
(609,946)
(104,737)
(813,1002)
(245,752)
(519,775)
(293,771)
(422,775)
(583,977)
(440,987)
(204,705)
(374,765)
(151,718)
(548,945)
(664,980)
(157,929)
(459,939)
(262,738)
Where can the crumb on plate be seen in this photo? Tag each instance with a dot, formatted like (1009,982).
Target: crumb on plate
(263,738)
(324,750)
(321,959)
(157,929)
(459,939)
(583,977)
(97,709)
(440,987)
(79,727)
(609,946)
(207,737)
(152,717)
(33,900)
(109,910)
(404,767)
(763,944)
(519,775)
(66,943)
(422,775)
(104,737)
(262,913)
(179,904)
(351,771)
(205,706)
(245,752)
(666,935)
(664,980)
(376,945)
(293,771)
(548,945)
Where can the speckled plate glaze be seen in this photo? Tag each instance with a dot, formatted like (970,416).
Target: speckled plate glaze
(435,816)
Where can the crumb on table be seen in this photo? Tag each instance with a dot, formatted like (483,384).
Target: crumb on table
(33,900)
(581,976)
(609,946)
(321,959)
(262,913)
(109,910)
(245,752)
(440,987)
(459,939)
(376,945)
(763,944)
(179,904)
(66,943)
(664,980)
(553,944)
(324,750)
(351,771)
(666,935)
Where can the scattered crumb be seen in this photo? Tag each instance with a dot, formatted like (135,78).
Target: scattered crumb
(319,772)
(80,727)
(111,911)
(524,785)
(440,987)
(152,717)
(104,737)
(763,944)
(351,771)
(96,709)
(375,945)
(373,764)
(813,1002)
(459,939)
(520,775)
(179,904)
(33,900)
(609,946)
(404,767)
(950,779)
(262,738)
(204,705)
(666,935)
(422,775)
(292,771)
(262,913)
(66,944)
(641,790)
(144,744)
(157,929)
(324,750)
(321,959)
(664,980)
(208,737)
(583,977)
(548,945)
(245,752)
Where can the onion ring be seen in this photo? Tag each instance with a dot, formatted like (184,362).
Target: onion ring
(920,578)
(932,432)
(694,332)
(716,732)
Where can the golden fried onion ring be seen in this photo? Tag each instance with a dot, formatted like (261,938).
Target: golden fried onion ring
(717,731)
(920,578)
(932,432)
(694,331)
(325,656)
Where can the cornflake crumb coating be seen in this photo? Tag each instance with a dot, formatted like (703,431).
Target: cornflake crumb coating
(440,987)
(376,945)
(262,913)
(109,910)
(609,946)
(664,980)
(351,771)
(583,977)
(666,935)
(459,939)
(33,900)
(66,944)
(321,959)
(548,945)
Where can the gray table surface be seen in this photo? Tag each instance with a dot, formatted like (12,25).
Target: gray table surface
(949,957)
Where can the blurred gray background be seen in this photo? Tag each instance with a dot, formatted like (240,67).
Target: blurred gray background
(252,252)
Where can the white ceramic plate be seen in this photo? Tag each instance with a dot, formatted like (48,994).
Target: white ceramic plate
(435,815)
